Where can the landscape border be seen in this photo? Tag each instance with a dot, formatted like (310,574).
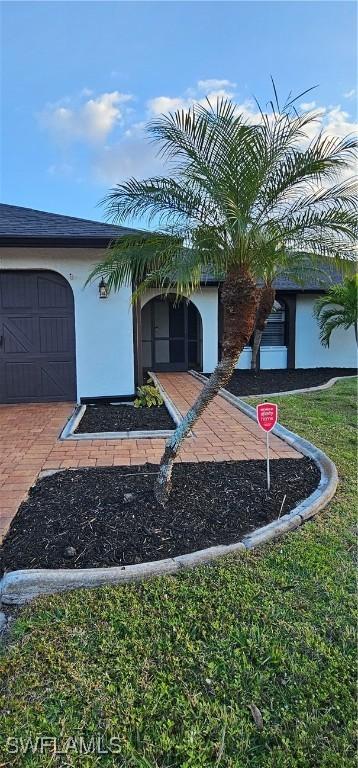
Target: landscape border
(18,587)
(265,395)
(68,432)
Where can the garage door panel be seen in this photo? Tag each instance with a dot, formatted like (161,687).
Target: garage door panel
(37,342)
(56,379)
(21,381)
(20,334)
(56,334)
(52,294)
(17,290)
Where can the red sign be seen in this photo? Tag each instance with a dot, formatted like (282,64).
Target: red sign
(266,416)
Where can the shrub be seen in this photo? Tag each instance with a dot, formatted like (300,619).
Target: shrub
(147,396)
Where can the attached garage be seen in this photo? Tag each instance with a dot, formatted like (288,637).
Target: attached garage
(59,340)
(37,337)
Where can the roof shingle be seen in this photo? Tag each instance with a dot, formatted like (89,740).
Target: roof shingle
(24,225)
(18,222)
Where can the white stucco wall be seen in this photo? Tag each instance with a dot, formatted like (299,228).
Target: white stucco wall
(342,351)
(273,357)
(244,361)
(206,301)
(104,330)
(270,357)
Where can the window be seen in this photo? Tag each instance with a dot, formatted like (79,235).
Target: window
(274,334)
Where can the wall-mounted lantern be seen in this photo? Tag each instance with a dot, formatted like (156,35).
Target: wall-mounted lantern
(103,289)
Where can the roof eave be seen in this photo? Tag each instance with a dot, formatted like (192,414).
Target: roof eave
(55,242)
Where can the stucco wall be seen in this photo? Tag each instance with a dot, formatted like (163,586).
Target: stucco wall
(206,301)
(342,351)
(245,359)
(104,331)
(270,357)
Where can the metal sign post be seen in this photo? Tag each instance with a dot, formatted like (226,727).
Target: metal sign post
(268,461)
(266,414)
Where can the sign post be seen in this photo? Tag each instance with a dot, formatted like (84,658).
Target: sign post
(266,414)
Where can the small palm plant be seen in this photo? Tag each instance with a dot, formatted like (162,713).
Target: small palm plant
(338,309)
(236,194)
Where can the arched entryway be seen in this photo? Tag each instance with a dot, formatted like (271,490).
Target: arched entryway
(37,337)
(171,335)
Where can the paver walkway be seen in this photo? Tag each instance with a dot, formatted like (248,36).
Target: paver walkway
(29,441)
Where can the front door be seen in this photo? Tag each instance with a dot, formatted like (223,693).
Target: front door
(169,335)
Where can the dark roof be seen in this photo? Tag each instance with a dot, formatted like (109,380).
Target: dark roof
(26,226)
(23,225)
(320,282)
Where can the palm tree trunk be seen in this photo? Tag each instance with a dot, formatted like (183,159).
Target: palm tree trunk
(264,309)
(239,297)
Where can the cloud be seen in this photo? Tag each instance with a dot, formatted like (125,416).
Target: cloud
(60,169)
(163,104)
(114,142)
(86,92)
(215,84)
(337,122)
(133,156)
(91,120)
(308,105)
(350,94)
(213,89)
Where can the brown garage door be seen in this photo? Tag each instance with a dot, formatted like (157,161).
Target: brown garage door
(37,338)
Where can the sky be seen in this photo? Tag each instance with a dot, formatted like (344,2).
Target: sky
(80,80)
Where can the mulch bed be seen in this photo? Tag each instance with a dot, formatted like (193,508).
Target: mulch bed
(110,517)
(277,380)
(124,418)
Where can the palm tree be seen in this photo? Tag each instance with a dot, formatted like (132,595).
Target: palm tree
(236,193)
(338,308)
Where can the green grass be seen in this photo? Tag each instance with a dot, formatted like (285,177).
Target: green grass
(171,666)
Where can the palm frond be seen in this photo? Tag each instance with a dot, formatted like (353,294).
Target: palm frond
(160,198)
(338,308)
(130,259)
(260,196)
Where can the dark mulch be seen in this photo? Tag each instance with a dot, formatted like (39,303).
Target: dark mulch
(263,382)
(124,418)
(211,503)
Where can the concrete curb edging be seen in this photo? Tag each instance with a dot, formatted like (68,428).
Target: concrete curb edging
(310,506)
(304,391)
(19,587)
(72,423)
(173,410)
(68,432)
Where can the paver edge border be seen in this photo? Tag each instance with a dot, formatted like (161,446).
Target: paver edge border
(19,587)
(68,432)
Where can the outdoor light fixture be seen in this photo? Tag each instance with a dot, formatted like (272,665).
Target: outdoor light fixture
(103,289)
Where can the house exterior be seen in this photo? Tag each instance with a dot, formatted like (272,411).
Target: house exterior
(59,340)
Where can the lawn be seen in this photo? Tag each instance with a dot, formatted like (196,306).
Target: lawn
(171,666)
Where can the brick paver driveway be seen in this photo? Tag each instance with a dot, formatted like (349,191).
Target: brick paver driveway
(29,441)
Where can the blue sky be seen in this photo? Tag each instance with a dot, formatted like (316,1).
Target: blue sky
(80,79)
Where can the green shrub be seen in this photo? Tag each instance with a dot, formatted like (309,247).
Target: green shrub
(148,395)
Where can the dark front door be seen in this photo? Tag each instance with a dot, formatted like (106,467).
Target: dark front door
(37,337)
(169,335)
